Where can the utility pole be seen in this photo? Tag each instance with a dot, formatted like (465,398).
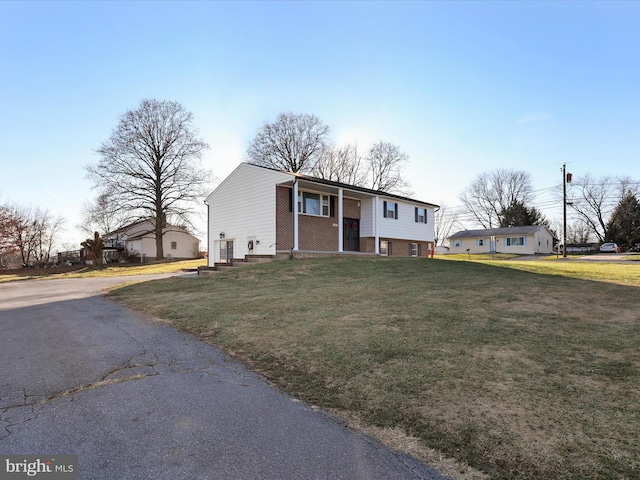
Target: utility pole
(566,178)
(564,210)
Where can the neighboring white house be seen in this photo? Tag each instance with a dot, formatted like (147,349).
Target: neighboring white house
(138,240)
(253,212)
(530,239)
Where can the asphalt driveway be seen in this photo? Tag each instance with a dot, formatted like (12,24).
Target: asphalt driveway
(135,399)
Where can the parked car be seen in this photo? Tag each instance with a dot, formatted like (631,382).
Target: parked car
(635,248)
(609,247)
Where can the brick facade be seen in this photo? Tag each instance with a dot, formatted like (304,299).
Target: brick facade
(314,232)
(317,233)
(399,248)
(284,220)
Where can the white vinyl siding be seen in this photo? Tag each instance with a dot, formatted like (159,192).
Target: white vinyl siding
(403,228)
(243,207)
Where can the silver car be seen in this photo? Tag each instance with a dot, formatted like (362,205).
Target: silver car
(609,247)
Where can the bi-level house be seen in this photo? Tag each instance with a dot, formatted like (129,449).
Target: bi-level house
(261,211)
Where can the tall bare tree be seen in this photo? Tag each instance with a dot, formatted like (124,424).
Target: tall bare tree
(385,162)
(595,200)
(445,221)
(7,227)
(33,233)
(150,165)
(493,192)
(578,232)
(103,215)
(342,164)
(293,143)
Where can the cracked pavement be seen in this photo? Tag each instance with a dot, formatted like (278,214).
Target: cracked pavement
(135,399)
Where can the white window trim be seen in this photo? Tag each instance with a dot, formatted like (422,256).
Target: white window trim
(322,195)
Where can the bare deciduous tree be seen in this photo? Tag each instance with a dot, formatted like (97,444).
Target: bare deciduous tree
(385,162)
(103,215)
(299,143)
(7,222)
(293,143)
(595,199)
(578,232)
(33,233)
(380,169)
(149,166)
(444,222)
(492,192)
(342,164)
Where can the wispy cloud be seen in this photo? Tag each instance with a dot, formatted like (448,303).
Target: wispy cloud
(533,117)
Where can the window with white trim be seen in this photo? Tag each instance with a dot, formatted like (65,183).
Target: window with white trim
(480,242)
(421,215)
(313,204)
(414,249)
(514,241)
(457,243)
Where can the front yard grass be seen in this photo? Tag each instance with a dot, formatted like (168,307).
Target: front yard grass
(520,371)
(110,270)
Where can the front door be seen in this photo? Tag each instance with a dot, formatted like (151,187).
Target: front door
(351,235)
(226,251)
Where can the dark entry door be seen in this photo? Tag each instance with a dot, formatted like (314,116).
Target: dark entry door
(351,235)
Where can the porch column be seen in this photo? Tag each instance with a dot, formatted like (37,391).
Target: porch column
(295,214)
(340,223)
(376,201)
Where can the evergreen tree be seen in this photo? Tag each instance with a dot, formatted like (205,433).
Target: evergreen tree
(624,225)
(517,214)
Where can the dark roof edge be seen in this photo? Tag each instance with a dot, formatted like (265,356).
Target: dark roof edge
(347,186)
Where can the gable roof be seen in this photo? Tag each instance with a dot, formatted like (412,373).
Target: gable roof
(500,232)
(346,186)
(146,231)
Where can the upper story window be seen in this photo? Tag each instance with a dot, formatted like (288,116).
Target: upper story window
(390,210)
(421,215)
(313,204)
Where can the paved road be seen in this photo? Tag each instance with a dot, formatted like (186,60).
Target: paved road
(136,399)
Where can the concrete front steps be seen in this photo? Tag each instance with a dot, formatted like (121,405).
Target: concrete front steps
(237,262)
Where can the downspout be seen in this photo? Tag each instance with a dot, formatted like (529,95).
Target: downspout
(295,215)
(375,225)
(209,246)
(340,223)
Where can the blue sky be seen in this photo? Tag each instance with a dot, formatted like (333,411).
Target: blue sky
(461,87)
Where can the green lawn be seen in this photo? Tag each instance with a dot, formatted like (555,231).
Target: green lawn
(518,369)
(112,270)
